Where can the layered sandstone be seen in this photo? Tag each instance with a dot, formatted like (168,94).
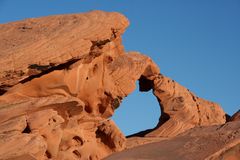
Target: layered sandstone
(57,86)
(35,45)
(219,142)
(181,109)
(62,77)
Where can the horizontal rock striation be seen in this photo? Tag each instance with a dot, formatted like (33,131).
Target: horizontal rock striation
(36,45)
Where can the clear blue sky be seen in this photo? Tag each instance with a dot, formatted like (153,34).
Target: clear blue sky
(195,42)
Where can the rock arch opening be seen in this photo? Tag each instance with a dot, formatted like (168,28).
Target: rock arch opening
(55,102)
(139,111)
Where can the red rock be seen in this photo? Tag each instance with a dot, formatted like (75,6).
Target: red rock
(202,143)
(63,76)
(57,89)
(235,116)
(181,109)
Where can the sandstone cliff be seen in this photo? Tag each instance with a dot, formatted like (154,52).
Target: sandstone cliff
(62,77)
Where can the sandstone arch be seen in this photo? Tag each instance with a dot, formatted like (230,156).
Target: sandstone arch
(131,116)
(181,109)
(65,81)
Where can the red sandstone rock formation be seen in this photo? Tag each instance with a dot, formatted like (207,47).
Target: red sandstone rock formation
(62,77)
(57,86)
(236,116)
(219,142)
(181,109)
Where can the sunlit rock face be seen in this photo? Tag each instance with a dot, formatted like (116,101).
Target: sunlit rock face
(181,109)
(62,77)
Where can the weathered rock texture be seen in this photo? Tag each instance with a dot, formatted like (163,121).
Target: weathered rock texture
(62,77)
(60,83)
(219,142)
(181,109)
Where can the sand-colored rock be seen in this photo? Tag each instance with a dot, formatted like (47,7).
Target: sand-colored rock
(181,109)
(68,102)
(219,142)
(56,86)
(34,45)
(63,76)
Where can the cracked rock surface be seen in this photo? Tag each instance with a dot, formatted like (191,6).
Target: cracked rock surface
(61,79)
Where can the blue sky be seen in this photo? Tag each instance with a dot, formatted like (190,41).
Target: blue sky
(197,43)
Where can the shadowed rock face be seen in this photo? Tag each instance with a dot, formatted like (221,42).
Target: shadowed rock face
(236,116)
(63,76)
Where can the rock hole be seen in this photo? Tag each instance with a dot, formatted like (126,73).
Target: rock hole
(139,111)
(78,140)
(101,108)
(106,139)
(115,103)
(48,154)
(194,98)
(77,153)
(88,109)
(27,129)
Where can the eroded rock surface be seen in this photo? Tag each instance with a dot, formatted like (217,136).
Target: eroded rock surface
(36,45)
(57,87)
(63,76)
(181,109)
(219,142)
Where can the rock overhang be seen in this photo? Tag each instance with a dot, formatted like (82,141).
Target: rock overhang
(72,72)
